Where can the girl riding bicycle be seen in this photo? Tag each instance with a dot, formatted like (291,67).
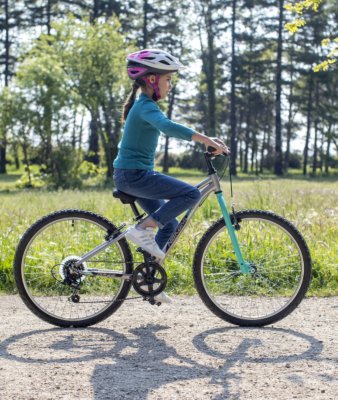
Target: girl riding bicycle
(151,70)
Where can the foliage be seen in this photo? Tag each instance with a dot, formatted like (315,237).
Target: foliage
(33,178)
(294,26)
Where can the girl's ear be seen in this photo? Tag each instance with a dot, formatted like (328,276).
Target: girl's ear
(152,78)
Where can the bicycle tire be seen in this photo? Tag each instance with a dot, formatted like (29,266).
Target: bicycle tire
(39,265)
(239,298)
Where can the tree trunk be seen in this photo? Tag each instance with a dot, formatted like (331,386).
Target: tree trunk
(74,130)
(262,152)
(211,75)
(7,43)
(241,158)
(315,145)
(327,155)
(15,147)
(26,159)
(145,24)
(233,136)
(81,130)
(93,151)
(248,135)
(49,16)
(254,153)
(246,152)
(290,112)
(308,129)
(3,157)
(278,143)
(95,11)
(3,141)
(166,147)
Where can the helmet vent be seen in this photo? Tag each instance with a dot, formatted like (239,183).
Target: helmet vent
(164,62)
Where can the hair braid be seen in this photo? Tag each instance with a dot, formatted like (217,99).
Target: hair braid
(130,100)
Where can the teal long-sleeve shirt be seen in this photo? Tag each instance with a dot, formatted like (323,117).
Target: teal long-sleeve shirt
(140,136)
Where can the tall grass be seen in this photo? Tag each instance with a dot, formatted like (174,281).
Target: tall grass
(311,205)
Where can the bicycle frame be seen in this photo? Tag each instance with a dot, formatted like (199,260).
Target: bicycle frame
(206,187)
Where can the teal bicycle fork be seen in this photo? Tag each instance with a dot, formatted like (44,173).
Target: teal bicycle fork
(244,266)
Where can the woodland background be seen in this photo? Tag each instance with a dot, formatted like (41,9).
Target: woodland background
(63,83)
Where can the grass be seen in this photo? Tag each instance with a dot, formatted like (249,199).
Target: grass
(310,204)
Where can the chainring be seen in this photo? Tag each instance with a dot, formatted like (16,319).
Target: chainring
(151,282)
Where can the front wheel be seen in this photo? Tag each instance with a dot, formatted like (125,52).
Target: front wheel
(49,283)
(280,269)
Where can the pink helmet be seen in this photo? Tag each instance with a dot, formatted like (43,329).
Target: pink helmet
(144,62)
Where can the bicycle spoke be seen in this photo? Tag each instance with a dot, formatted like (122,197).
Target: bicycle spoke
(276,275)
(45,269)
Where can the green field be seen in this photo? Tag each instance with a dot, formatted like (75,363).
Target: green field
(310,204)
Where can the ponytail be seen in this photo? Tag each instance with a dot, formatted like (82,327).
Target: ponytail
(130,100)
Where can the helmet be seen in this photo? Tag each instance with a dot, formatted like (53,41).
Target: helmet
(144,62)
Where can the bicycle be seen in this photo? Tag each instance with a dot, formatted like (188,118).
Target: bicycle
(250,268)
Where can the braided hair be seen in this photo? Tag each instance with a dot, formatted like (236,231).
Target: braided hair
(131,98)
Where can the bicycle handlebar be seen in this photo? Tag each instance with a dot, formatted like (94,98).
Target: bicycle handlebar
(211,149)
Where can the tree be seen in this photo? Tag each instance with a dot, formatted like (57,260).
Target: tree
(43,84)
(295,25)
(98,80)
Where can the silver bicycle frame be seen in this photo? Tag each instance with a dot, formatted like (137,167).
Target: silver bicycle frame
(206,187)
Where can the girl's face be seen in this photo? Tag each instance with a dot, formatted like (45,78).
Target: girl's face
(164,83)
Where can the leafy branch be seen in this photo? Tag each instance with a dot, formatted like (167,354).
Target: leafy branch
(296,24)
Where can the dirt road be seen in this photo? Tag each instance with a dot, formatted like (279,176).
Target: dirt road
(180,351)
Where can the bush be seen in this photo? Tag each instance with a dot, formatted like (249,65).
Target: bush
(65,168)
(295,160)
(33,178)
(191,159)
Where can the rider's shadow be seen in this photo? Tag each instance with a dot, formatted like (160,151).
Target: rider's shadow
(147,364)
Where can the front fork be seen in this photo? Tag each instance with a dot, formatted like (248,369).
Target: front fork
(245,266)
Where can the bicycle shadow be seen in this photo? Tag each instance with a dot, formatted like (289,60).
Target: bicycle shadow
(146,370)
(139,363)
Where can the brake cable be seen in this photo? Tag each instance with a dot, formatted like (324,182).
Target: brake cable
(227,163)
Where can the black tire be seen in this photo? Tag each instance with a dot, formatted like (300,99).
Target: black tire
(39,267)
(281,269)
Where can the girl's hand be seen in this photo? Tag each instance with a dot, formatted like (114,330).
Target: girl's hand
(219,145)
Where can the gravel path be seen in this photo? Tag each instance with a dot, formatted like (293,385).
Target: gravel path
(181,351)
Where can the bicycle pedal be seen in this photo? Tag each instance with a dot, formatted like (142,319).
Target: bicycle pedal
(152,301)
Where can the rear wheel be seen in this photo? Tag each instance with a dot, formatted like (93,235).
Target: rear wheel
(280,269)
(49,282)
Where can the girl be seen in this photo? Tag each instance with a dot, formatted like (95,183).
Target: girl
(134,174)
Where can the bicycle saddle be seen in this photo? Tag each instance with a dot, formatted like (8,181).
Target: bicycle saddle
(124,197)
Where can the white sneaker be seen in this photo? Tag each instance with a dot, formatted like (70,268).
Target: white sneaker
(146,239)
(163,298)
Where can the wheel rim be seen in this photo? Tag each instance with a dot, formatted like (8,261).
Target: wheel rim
(277,273)
(43,256)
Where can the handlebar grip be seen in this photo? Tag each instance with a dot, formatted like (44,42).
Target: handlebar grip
(211,149)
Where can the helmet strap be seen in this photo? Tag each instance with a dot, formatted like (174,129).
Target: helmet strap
(156,94)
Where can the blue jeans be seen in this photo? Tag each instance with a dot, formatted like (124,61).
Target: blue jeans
(151,189)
